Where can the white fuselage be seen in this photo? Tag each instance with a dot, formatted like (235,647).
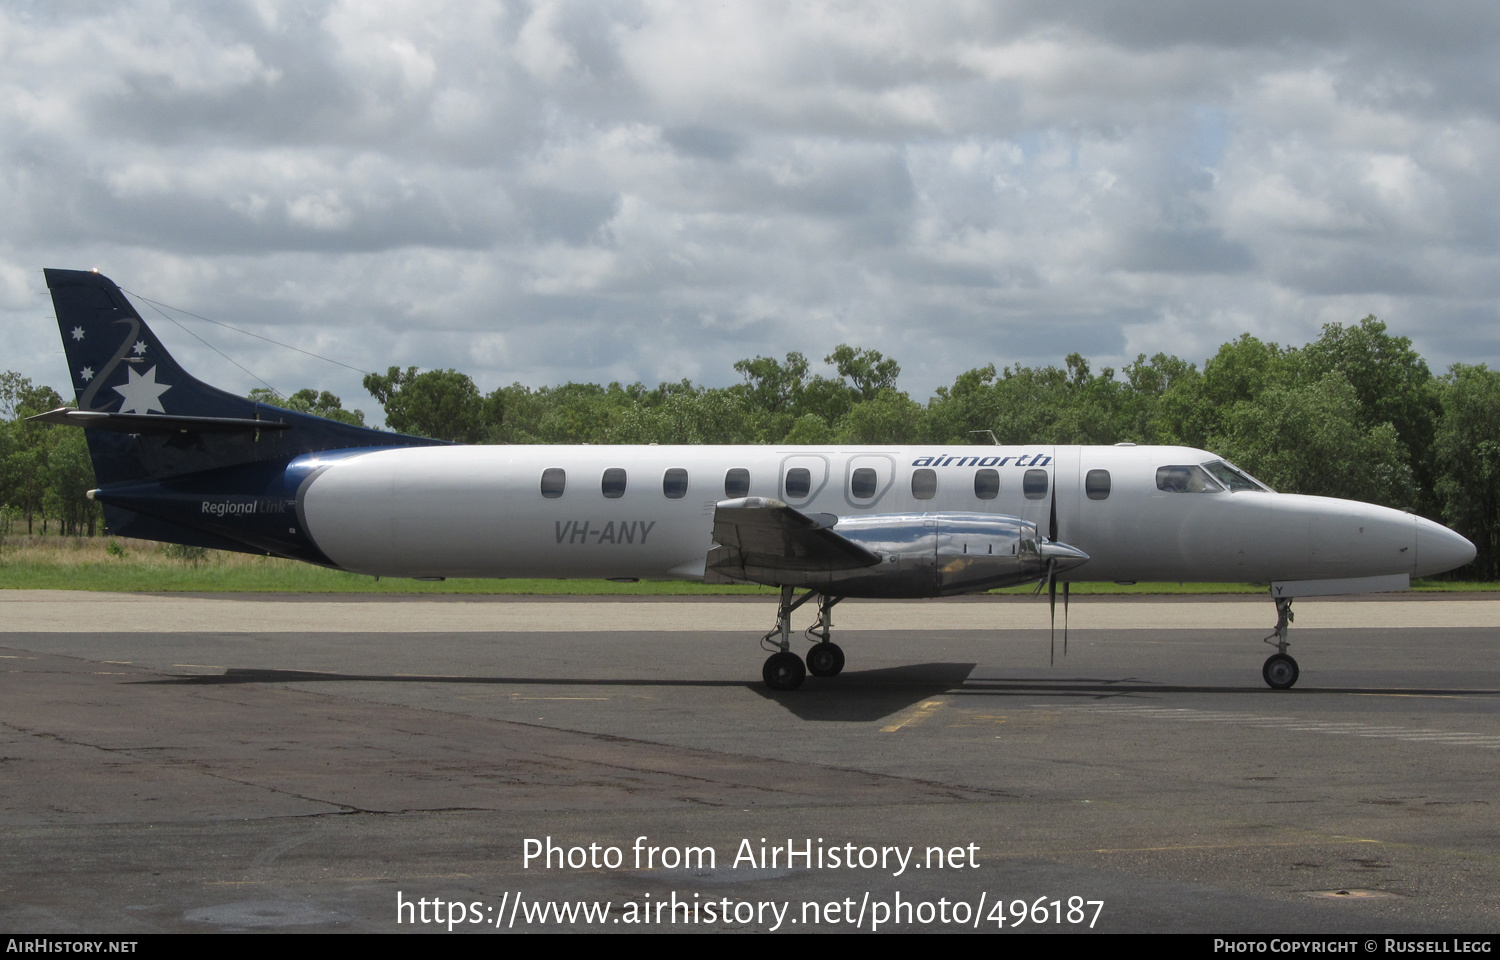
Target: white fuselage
(481,511)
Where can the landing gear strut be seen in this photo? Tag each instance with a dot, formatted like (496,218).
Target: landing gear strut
(784,670)
(1280,670)
(825,659)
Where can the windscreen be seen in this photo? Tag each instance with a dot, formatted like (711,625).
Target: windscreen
(1185,478)
(1232,477)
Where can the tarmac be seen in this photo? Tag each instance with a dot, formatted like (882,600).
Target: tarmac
(198,763)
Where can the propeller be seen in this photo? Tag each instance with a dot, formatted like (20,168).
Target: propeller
(1052,602)
(1069,557)
(1052,581)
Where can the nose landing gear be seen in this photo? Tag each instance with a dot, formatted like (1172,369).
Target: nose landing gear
(1280,670)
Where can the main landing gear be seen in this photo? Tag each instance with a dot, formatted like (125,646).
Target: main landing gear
(1280,670)
(784,670)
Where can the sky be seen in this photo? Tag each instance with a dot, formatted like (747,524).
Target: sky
(595,191)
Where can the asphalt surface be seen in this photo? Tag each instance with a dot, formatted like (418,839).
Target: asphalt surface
(170,764)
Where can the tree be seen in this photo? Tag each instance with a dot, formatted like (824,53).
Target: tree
(707,416)
(442,404)
(1311,438)
(12,386)
(26,464)
(69,477)
(888,417)
(309,400)
(1390,380)
(771,386)
(1241,371)
(1467,455)
(867,370)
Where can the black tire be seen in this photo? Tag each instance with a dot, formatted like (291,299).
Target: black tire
(783,671)
(825,659)
(1280,671)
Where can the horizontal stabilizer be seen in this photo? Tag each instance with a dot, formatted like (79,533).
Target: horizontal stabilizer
(757,537)
(153,423)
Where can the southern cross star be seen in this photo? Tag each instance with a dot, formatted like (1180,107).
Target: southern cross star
(139,349)
(77,333)
(142,393)
(87,373)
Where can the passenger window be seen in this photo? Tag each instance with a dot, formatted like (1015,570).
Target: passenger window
(1096,485)
(987,484)
(554,479)
(614,483)
(924,484)
(862,484)
(737,483)
(1184,478)
(798,483)
(674,484)
(1034,484)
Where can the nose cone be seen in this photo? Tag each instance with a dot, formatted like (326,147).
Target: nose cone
(1439,549)
(1066,557)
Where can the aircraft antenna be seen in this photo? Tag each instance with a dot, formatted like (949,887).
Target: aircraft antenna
(316,356)
(210,346)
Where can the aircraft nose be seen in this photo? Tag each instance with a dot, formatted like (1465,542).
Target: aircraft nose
(1440,549)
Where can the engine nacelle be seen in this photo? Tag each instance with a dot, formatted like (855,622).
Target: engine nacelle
(941,554)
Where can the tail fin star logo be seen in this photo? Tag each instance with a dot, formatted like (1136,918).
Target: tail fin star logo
(142,393)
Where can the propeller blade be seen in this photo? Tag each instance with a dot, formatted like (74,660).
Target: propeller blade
(1052,601)
(1052,514)
(1065,617)
(1052,578)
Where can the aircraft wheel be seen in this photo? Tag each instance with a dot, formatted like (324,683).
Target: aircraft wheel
(784,671)
(825,659)
(1280,671)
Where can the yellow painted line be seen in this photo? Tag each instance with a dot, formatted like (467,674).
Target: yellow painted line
(917,715)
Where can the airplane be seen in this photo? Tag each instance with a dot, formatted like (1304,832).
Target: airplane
(179,461)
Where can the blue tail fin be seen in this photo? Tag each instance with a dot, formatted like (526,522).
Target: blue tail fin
(149,418)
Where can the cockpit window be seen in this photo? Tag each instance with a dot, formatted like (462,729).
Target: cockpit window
(1232,477)
(1185,478)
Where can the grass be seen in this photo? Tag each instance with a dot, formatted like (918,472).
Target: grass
(133,566)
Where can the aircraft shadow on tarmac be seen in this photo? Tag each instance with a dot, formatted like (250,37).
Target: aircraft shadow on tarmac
(854,696)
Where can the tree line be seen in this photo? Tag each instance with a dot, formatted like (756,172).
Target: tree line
(1354,414)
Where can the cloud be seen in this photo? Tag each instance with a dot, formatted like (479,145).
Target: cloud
(591,191)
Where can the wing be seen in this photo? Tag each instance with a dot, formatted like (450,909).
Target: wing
(765,541)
